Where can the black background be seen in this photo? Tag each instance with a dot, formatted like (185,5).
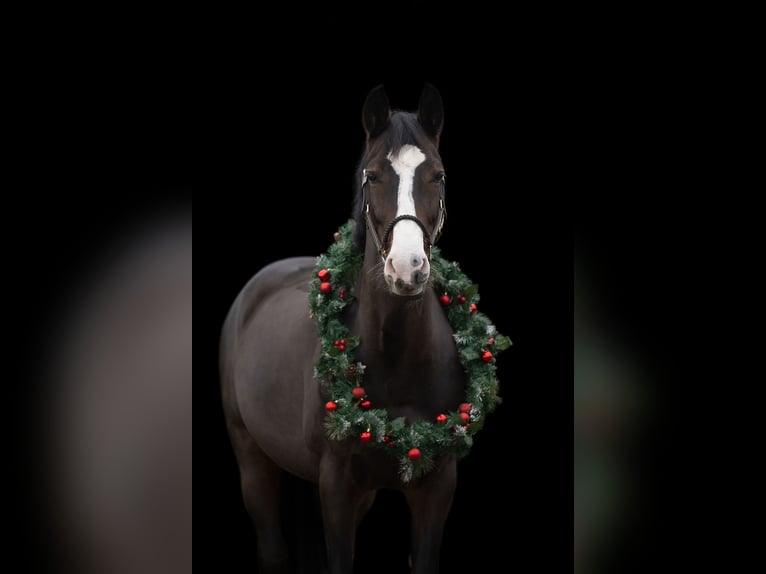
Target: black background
(511,237)
(274,159)
(534,143)
(530,153)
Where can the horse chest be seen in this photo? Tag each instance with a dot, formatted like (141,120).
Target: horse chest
(414,390)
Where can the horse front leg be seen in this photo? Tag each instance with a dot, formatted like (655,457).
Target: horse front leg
(430,501)
(343,505)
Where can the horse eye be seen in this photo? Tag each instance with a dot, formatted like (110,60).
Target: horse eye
(440,177)
(372,177)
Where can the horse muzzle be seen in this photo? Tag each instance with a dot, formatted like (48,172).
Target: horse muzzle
(407,276)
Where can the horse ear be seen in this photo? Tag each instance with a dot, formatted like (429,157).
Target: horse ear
(431,112)
(376,112)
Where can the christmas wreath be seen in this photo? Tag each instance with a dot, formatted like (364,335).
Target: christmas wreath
(350,413)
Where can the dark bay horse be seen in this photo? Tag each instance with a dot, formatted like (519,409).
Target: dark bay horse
(274,406)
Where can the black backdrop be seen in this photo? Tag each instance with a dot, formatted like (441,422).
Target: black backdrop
(292,185)
(597,147)
(624,128)
(272,150)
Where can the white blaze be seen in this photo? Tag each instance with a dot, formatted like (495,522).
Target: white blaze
(408,237)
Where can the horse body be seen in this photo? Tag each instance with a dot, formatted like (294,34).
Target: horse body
(274,406)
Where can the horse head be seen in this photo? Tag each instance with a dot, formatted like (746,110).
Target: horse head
(401,188)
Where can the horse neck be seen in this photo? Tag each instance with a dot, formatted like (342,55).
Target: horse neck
(407,344)
(396,327)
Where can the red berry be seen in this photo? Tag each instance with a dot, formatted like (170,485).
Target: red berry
(391,444)
(486,356)
(464,408)
(325,287)
(414,454)
(365,404)
(473,307)
(343,342)
(331,406)
(386,438)
(358,392)
(465,417)
(323,274)
(461,298)
(342,294)
(442,418)
(445,299)
(365,437)
(491,341)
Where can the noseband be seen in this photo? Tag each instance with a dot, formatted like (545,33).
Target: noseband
(429,239)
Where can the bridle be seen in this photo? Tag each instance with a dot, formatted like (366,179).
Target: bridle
(429,239)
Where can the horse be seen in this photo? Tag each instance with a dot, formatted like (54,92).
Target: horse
(273,404)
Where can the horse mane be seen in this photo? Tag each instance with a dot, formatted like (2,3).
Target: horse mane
(403,129)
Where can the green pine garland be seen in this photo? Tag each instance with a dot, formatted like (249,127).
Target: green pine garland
(418,445)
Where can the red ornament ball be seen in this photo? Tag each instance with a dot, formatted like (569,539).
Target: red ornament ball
(461,298)
(473,307)
(414,454)
(465,417)
(486,356)
(464,408)
(442,418)
(358,392)
(445,299)
(325,287)
(323,274)
(365,405)
(331,406)
(365,437)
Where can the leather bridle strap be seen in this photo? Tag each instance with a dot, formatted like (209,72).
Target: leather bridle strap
(390,227)
(371,231)
(429,239)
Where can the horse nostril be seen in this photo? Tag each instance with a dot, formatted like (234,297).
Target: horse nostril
(416,261)
(420,277)
(399,284)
